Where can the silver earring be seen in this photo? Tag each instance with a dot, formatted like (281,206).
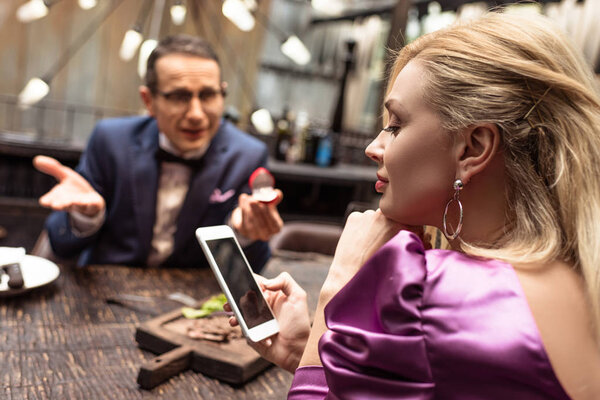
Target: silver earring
(458,185)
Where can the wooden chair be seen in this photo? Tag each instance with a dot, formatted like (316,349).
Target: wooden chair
(307,237)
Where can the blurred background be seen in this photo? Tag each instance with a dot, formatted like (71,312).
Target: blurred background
(307,77)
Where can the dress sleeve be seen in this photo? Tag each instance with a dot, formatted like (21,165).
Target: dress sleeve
(309,383)
(375,347)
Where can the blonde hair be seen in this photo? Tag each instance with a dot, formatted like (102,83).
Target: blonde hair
(493,70)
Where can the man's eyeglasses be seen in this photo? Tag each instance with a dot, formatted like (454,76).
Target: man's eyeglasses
(180,98)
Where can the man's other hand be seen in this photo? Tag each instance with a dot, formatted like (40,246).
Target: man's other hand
(257,220)
(72,192)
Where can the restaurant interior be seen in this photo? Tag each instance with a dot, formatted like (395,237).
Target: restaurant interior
(64,71)
(304,77)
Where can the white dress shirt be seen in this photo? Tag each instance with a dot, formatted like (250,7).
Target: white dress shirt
(173,184)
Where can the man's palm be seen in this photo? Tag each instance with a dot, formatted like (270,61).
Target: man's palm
(72,193)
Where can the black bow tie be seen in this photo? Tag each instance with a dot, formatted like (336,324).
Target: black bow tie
(194,163)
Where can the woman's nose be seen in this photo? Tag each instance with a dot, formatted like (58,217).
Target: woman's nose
(375,149)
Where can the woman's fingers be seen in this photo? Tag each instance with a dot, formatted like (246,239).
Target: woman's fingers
(283,282)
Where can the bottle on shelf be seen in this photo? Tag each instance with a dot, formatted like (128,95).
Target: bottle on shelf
(311,141)
(284,136)
(324,154)
(298,149)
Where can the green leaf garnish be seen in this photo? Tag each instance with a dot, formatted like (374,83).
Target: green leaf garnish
(215,303)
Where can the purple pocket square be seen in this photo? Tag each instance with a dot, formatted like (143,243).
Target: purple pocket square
(218,197)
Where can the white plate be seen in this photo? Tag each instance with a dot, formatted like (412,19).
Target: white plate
(37,272)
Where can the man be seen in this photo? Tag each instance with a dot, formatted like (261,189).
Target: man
(144,184)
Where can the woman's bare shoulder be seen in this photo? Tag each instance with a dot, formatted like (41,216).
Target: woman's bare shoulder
(556,295)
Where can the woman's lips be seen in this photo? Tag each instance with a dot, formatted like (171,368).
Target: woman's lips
(380,185)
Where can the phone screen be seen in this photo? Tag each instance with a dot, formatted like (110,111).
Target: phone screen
(240,281)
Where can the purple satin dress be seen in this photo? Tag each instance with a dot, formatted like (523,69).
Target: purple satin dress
(435,324)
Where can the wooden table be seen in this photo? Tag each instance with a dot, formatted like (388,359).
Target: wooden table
(66,342)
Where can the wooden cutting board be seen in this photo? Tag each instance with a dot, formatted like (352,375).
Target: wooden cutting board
(232,361)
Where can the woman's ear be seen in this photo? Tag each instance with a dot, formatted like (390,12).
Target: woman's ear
(478,147)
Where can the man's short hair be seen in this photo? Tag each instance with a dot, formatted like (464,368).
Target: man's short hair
(177,44)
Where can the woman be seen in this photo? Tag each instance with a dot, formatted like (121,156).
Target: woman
(498,117)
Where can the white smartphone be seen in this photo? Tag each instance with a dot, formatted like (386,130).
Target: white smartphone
(231,268)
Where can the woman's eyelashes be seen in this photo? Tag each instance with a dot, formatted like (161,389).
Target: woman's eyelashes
(393,129)
(394,124)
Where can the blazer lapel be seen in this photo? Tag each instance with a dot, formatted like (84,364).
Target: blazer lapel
(145,185)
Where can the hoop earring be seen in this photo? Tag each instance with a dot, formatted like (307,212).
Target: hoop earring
(458,185)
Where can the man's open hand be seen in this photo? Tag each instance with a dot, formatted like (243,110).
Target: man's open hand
(72,192)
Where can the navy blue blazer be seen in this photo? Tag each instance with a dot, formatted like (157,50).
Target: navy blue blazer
(120,164)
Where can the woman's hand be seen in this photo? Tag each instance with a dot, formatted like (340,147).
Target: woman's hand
(362,236)
(288,302)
